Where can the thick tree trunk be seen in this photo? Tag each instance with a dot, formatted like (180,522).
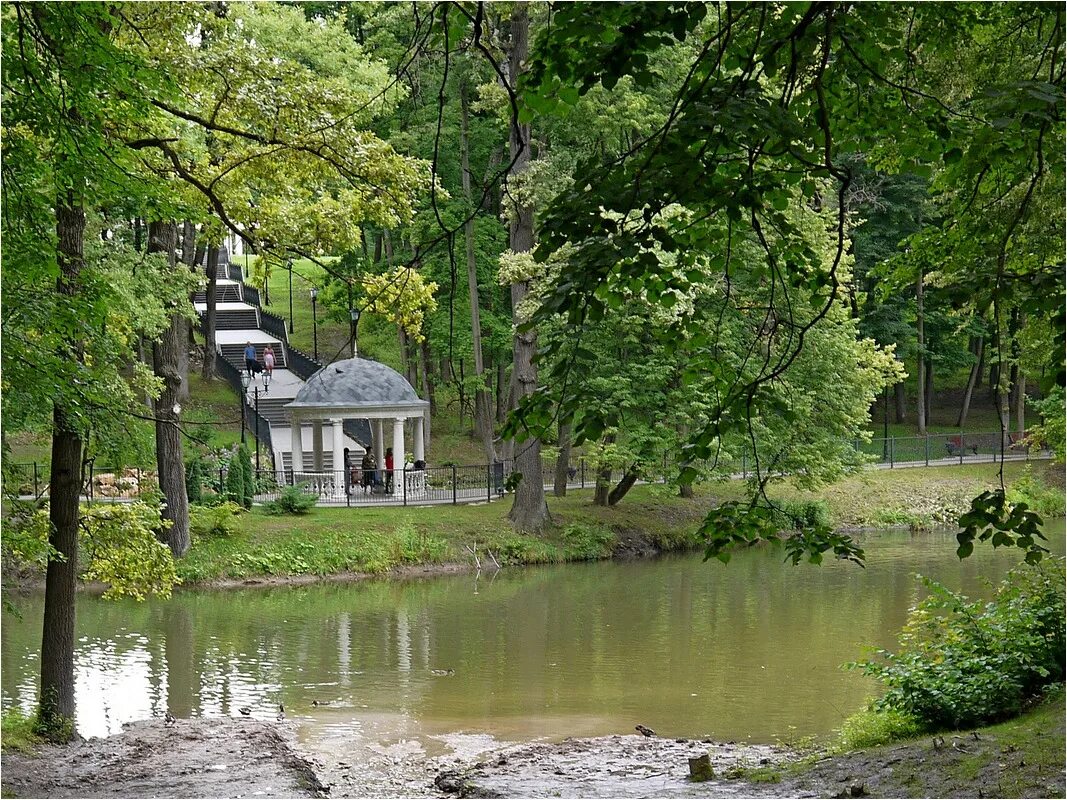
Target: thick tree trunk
(902,403)
(627,482)
(208,370)
(972,379)
(921,356)
(55,717)
(503,389)
(603,486)
(170,463)
(483,422)
(563,461)
(529,512)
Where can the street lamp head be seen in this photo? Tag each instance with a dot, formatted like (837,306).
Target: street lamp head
(314,293)
(354,314)
(245,380)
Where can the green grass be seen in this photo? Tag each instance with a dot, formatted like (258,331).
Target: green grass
(16,733)
(327,541)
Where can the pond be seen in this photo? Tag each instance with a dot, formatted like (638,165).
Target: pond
(749,651)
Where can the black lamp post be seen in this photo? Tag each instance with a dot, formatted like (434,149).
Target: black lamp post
(245,380)
(315,320)
(290,265)
(353,314)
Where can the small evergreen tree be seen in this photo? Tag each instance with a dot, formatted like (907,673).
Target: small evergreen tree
(248,475)
(194,478)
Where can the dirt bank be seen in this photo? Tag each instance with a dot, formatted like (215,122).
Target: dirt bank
(191,758)
(611,766)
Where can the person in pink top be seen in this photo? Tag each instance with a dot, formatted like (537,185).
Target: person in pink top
(268,361)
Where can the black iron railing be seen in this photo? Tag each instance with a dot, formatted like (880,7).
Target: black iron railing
(273,324)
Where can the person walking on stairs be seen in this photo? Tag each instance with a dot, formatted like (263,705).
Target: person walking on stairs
(251,363)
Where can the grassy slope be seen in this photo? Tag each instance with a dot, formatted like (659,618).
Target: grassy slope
(337,540)
(1023,757)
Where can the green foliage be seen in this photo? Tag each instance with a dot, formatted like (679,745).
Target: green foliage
(993,518)
(962,664)
(25,536)
(1047,501)
(413,545)
(872,727)
(587,542)
(122,550)
(1051,431)
(791,515)
(291,500)
(240,483)
(214,521)
(194,479)
(17,732)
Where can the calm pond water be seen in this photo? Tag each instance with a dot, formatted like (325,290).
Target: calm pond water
(748,651)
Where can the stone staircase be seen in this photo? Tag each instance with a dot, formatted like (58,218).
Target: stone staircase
(240,322)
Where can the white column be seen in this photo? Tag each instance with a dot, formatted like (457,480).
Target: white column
(379,444)
(298,447)
(338,459)
(316,444)
(420,449)
(398,455)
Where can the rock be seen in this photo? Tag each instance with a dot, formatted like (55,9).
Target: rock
(764,761)
(700,768)
(681,741)
(857,790)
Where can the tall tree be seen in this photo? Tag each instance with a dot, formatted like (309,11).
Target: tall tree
(529,511)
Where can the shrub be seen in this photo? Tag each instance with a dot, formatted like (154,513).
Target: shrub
(411,545)
(239,481)
(584,542)
(962,664)
(789,515)
(213,521)
(18,732)
(292,500)
(871,727)
(194,479)
(1046,501)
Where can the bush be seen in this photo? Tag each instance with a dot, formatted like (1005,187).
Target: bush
(962,664)
(292,500)
(411,545)
(239,481)
(1046,501)
(585,542)
(872,727)
(790,515)
(194,479)
(18,732)
(213,521)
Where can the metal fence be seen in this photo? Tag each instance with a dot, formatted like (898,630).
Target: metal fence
(457,484)
(273,324)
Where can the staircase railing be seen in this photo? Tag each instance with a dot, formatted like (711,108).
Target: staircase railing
(273,324)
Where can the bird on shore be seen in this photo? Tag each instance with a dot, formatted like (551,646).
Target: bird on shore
(281,712)
(320,702)
(245,711)
(169,719)
(644,731)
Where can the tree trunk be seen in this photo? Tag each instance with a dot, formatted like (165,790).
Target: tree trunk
(170,462)
(483,422)
(972,379)
(427,378)
(1020,405)
(902,403)
(563,462)
(929,389)
(920,356)
(208,370)
(503,388)
(619,492)
(55,716)
(185,325)
(529,512)
(603,482)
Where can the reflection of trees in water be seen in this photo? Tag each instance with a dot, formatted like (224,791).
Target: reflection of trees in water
(180,654)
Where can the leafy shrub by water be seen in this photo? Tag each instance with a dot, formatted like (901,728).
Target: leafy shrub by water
(586,542)
(214,521)
(291,500)
(1047,501)
(962,663)
(872,727)
(411,545)
(789,515)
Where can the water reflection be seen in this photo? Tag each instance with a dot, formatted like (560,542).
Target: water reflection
(747,651)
